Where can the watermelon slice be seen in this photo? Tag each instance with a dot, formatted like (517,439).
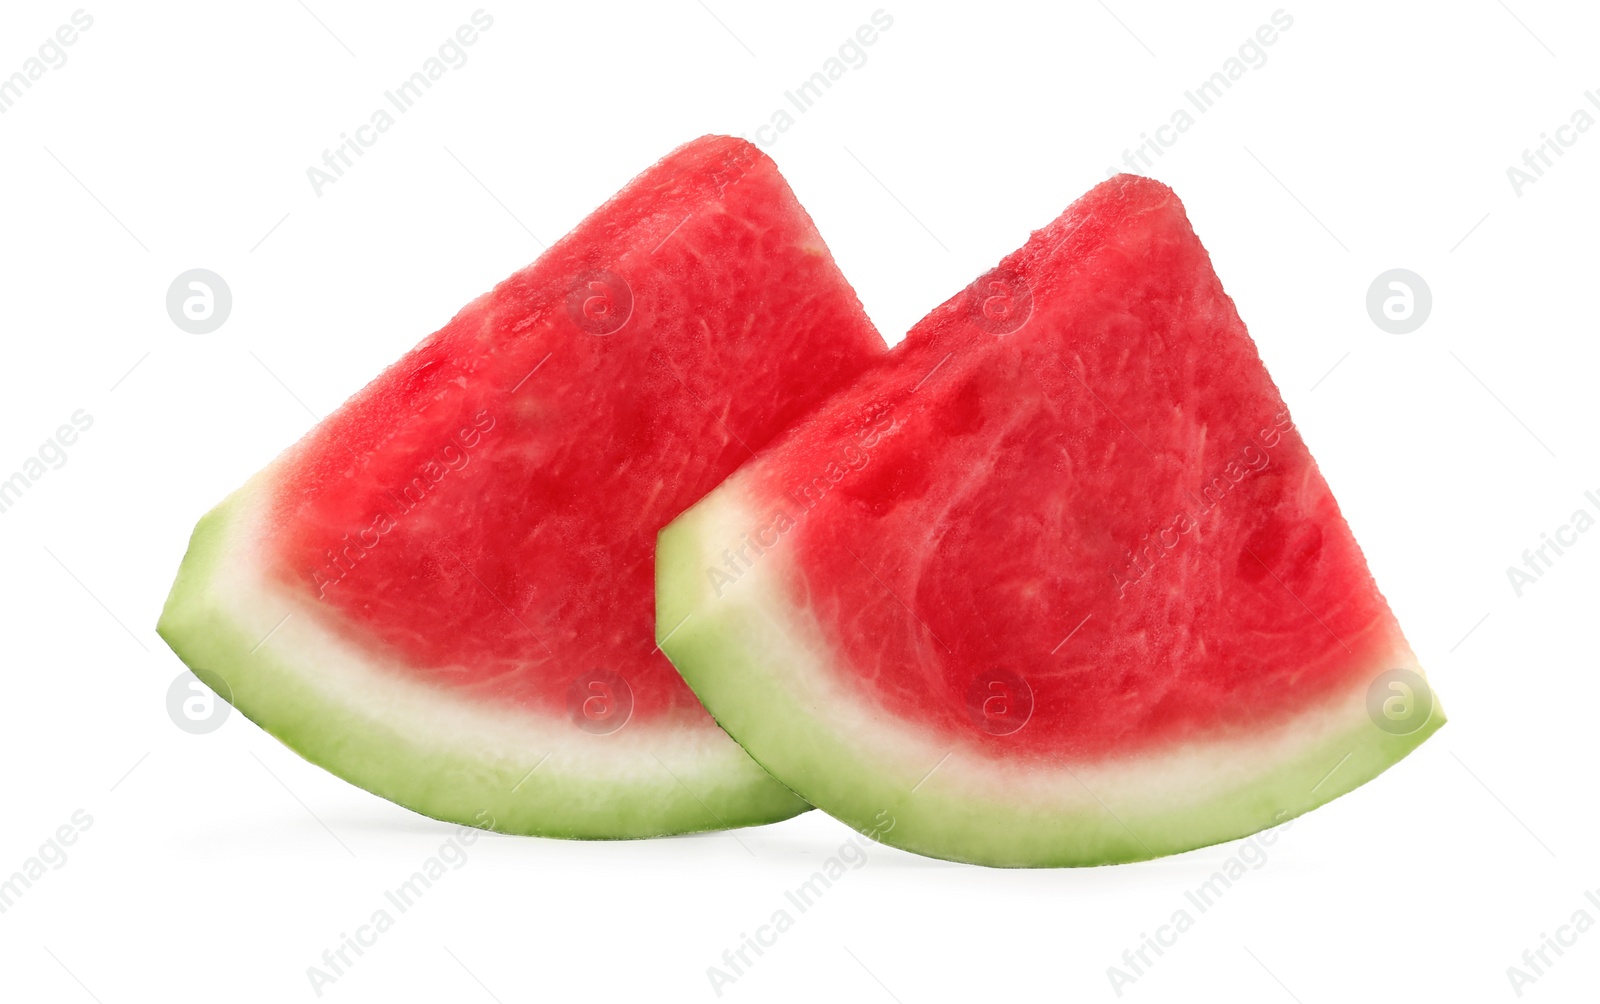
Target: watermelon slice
(1056,582)
(444,592)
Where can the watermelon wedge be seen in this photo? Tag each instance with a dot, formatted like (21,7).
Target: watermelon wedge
(444,592)
(1056,582)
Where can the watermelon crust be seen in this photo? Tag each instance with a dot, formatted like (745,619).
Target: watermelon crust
(444,592)
(450,758)
(1056,582)
(762,669)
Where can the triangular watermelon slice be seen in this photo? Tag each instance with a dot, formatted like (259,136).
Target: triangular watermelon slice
(444,592)
(1055,583)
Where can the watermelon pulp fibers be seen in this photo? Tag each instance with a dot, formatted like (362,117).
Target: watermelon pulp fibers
(1055,582)
(452,574)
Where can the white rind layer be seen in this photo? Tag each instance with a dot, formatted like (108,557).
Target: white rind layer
(272,653)
(763,668)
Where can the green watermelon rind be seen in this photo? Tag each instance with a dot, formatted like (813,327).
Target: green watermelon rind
(422,769)
(743,654)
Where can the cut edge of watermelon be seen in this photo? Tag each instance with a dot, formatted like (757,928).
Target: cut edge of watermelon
(436,753)
(763,669)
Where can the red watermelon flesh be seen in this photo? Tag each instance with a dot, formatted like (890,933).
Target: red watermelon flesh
(461,555)
(1057,581)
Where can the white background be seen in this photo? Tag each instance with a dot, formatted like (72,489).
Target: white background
(1376,135)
